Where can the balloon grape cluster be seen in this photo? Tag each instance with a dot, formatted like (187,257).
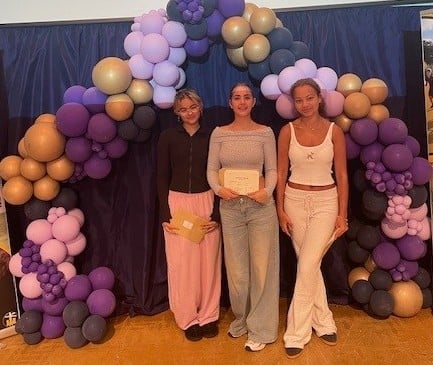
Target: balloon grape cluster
(52,281)
(30,257)
(191,10)
(386,181)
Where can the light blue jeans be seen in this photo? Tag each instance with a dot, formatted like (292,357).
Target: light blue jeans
(313,215)
(251,252)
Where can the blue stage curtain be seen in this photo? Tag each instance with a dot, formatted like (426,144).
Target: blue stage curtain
(122,228)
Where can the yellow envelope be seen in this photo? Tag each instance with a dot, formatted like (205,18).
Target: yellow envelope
(189,225)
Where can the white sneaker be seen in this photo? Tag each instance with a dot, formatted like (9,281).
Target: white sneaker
(253,346)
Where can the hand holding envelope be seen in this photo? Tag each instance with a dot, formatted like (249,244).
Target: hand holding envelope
(189,225)
(242,181)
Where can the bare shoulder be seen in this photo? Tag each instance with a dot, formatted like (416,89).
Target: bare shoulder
(285,131)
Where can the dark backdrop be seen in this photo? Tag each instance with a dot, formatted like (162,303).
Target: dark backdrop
(41,62)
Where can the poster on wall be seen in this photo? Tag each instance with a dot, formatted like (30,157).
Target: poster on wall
(427,51)
(9,308)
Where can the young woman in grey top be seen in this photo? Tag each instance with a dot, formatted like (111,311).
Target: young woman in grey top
(249,222)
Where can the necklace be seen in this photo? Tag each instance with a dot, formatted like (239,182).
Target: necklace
(314,128)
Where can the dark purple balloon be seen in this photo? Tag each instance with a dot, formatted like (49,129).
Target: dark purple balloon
(96,167)
(116,148)
(52,326)
(72,119)
(78,149)
(101,302)
(229,8)
(102,277)
(397,157)
(352,148)
(78,288)
(54,308)
(413,144)
(101,128)
(215,22)
(421,171)
(371,153)
(411,247)
(392,130)
(196,48)
(363,131)
(386,255)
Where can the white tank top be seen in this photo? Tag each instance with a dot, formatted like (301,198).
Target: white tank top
(311,165)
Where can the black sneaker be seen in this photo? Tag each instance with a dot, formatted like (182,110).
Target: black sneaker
(329,339)
(194,333)
(209,330)
(293,352)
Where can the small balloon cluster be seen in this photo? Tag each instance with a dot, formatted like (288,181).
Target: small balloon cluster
(386,181)
(389,271)
(192,10)
(79,315)
(52,281)
(30,257)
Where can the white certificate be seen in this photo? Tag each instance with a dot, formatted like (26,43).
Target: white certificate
(242,181)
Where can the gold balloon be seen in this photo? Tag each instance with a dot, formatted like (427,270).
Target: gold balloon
(22,148)
(348,84)
(369,264)
(43,142)
(46,118)
(256,48)
(60,169)
(111,75)
(408,298)
(235,31)
(356,105)
(140,91)
(249,8)
(358,273)
(236,56)
(375,89)
(17,190)
(10,167)
(378,112)
(119,107)
(343,122)
(32,170)
(263,20)
(46,188)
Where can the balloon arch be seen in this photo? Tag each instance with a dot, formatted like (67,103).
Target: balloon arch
(94,125)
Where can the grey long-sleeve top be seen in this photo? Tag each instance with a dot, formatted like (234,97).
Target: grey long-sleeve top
(254,149)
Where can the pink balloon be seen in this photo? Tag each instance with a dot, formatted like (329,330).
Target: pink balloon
(15,265)
(419,213)
(393,230)
(53,250)
(334,102)
(39,231)
(425,233)
(78,214)
(77,245)
(66,228)
(67,269)
(29,286)
(285,107)
(152,23)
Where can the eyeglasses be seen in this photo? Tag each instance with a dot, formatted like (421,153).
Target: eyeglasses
(193,108)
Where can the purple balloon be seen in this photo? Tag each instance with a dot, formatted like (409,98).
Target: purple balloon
(52,326)
(174,33)
(116,148)
(101,128)
(411,247)
(386,255)
(102,277)
(413,145)
(56,307)
(32,304)
(94,100)
(132,43)
(101,302)
(155,48)
(72,119)
(74,94)
(392,130)
(78,288)
(421,171)
(197,48)
(397,157)
(229,8)
(371,153)
(352,148)
(78,149)
(140,68)
(96,167)
(363,131)
(214,24)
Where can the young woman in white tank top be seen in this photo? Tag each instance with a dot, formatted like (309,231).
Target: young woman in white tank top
(312,210)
